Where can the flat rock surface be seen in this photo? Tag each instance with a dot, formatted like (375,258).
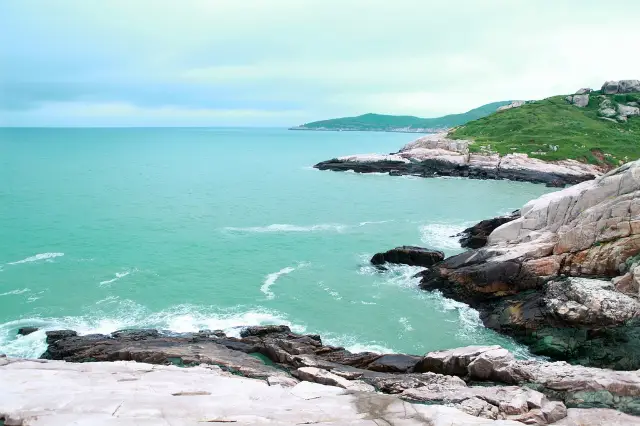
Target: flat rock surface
(57,393)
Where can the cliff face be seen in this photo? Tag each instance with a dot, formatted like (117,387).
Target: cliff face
(437,155)
(564,276)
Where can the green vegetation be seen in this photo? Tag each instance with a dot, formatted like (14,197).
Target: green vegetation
(553,129)
(398,123)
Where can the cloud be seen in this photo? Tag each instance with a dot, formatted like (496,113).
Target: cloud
(303,60)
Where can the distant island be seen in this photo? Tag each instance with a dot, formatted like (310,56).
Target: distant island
(401,123)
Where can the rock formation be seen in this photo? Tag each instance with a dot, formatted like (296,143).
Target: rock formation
(409,255)
(622,86)
(436,155)
(514,104)
(529,280)
(476,236)
(526,391)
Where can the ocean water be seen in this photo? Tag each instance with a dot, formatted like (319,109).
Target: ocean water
(188,229)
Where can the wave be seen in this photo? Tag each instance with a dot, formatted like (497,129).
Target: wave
(441,235)
(117,277)
(272,278)
(374,222)
(128,314)
(35,258)
(283,227)
(12,292)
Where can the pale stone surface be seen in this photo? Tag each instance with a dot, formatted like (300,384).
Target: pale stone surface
(368,158)
(580,101)
(587,301)
(55,393)
(626,110)
(514,104)
(597,416)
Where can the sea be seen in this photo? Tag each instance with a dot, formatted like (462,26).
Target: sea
(184,229)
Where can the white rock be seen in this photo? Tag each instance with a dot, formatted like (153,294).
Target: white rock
(55,393)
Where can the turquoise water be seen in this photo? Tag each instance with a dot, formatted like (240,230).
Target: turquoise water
(185,229)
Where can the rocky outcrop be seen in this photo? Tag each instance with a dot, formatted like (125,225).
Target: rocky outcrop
(622,86)
(514,104)
(436,155)
(476,236)
(409,255)
(482,381)
(128,393)
(25,331)
(579,100)
(591,230)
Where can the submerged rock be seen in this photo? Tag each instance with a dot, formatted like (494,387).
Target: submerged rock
(25,331)
(409,255)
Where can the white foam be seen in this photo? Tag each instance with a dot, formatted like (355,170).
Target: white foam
(12,292)
(271,280)
(35,258)
(117,277)
(441,235)
(374,222)
(182,318)
(405,323)
(280,227)
(352,343)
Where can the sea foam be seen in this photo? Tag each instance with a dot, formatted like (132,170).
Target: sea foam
(37,257)
(441,235)
(283,227)
(116,278)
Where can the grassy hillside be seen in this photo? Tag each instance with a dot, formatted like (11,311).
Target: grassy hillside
(552,129)
(379,122)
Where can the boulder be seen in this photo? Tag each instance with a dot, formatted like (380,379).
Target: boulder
(25,331)
(263,330)
(583,91)
(409,255)
(514,104)
(580,101)
(476,236)
(622,86)
(394,363)
(627,111)
(610,87)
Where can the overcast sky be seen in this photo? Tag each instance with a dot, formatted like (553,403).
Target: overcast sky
(286,62)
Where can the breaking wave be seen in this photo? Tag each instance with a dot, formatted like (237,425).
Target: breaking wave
(37,257)
(441,235)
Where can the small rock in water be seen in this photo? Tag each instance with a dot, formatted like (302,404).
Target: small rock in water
(24,331)
(409,255)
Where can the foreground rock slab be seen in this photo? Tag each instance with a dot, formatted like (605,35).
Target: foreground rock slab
(56,393)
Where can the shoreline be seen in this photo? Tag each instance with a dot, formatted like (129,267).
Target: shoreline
(436,155)
(477,384)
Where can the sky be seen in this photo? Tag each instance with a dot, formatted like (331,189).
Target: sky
(288,62)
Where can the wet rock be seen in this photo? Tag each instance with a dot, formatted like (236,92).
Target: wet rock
(25,331)
(453,361)
(409,255)
(476,236)
(53,336)
(135,334)
(394,363)
(263,330)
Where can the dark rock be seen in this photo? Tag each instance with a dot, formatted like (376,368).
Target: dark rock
(135,334)
(24,331)
(435,167)
(409,255)
(263,330)
(476,236)
(394,363)
(53,336)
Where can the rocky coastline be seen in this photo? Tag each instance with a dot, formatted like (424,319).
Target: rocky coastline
(436,155)
(473,385)
(563,277)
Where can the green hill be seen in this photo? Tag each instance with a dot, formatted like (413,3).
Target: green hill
(553,129)
(400,123)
